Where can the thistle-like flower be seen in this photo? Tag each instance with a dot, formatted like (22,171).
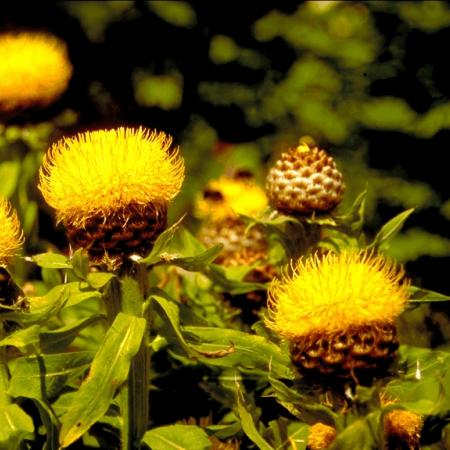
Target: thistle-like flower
(220,205)
(34,70)
(111,188)
(228,197)
(304,180)
(321,436)
(338,313)
(402,429)
(11,239)
(11,236)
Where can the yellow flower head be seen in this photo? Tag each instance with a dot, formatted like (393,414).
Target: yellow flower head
(336,293)
(11,237)
(34,69)
(321,436)
(405,425)
(228,197)
(97,173)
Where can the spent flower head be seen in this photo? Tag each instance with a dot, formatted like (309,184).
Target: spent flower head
(11,236)
(304,180)
(34,69)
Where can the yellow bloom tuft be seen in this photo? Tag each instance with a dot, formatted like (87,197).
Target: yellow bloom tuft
(236,196)
(403,425)
(338,292)
(11,236)
(321,436)
(98,173)
(34,69)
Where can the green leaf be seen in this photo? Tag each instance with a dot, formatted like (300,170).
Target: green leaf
(248,425)
(15,426)
(57,340)
(177,437)
(419,295)
(52,261)
(9,174)
(424,386)
(171,312)
(43,376)
(80,263)
(195,263)
(249,352)
(108,371)
(161,243)
(301,405)
(390,229)
(80,291)
(99,280)
(41,307)
(223,278)
(354,218)
(361,434)
(22,338)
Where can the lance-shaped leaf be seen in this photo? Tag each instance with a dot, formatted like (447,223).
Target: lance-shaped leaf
(177,437)
(43,376)
(52,261)
(108,371)
(161,244)
(248,425)
(194,263)
(419,295)
(58,340)
(15,426)
(170,311)
(22,338)
(232,348)
(390,228)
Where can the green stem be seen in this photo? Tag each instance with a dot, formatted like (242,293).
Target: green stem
(134,403)
(5,399)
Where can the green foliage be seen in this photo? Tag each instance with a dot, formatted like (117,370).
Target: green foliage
(76,345)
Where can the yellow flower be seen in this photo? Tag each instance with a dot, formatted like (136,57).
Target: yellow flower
(98,173)
(111,189)
(11,237)
(403,426)
(228,197)
(321,436)
(338,292)
(34,69)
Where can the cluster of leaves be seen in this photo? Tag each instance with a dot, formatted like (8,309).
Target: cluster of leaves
(227,379)
(244,370)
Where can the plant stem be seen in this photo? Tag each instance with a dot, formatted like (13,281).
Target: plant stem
(5,399)
(134,403)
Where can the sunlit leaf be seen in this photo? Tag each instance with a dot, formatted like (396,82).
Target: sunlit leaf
(58,340)
(177,437)
(161,244)
(52,261)
(108,371)
(22,338)
(42,377)
(249,352)
(420,295)
(15,426)
(390,229)
(247,421)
